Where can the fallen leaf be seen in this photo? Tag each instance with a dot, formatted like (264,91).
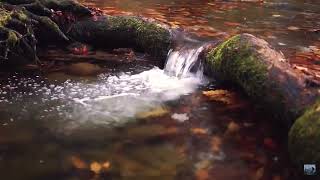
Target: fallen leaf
(232,128)
(95,167)
(269,143)
(219,95)
(157,112)
(202,174)
(232,23)
(106,165)
(199,131)
(258,174)
(277,177)
(78,163)
(216,143)
(171,130)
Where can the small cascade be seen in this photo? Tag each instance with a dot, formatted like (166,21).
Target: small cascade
(114,99)
(184,62)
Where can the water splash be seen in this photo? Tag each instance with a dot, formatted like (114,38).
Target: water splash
(112,99)
(184,62)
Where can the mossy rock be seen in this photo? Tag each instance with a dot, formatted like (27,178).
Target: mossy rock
(304,137)
(263,74)
(16,42)
(124,31)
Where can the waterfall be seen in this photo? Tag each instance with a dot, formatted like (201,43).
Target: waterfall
(184,61)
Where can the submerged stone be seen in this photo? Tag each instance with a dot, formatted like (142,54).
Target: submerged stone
(84,69)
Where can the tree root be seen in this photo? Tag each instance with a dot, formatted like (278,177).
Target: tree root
(24,23)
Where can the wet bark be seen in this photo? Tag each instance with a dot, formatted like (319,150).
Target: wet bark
(26,24)
(124,31)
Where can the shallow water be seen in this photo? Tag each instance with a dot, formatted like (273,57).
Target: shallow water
(135,122)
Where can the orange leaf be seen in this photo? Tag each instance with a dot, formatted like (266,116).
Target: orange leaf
(199,131)
(106,165)
(78,163)
(95,167)
(216,143)
(202,174)
(232,128)
(232,24)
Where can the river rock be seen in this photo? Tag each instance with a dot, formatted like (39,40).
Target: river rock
(83,69)
(304,136)
(263,74)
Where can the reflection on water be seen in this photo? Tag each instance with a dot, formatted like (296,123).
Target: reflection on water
(292,26)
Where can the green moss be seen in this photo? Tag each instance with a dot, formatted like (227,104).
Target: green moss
(5,16)
(12,39)
(235,62)
(21,16)
(149,36)
(304,137)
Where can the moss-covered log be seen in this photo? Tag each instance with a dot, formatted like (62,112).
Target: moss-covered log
(263,74)
(23,23)
(47,24)
(123,31)
(304,137)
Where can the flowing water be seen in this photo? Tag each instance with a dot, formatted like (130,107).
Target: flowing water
(138,121)
(110,99)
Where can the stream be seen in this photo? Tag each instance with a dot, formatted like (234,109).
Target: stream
(135,122)
(138,121)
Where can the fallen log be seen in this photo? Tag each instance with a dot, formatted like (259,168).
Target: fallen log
(124,31)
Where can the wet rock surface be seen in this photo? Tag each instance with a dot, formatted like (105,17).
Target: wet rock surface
(304,137)
(263,74)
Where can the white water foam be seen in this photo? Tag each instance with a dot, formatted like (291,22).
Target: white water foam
(115,99)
